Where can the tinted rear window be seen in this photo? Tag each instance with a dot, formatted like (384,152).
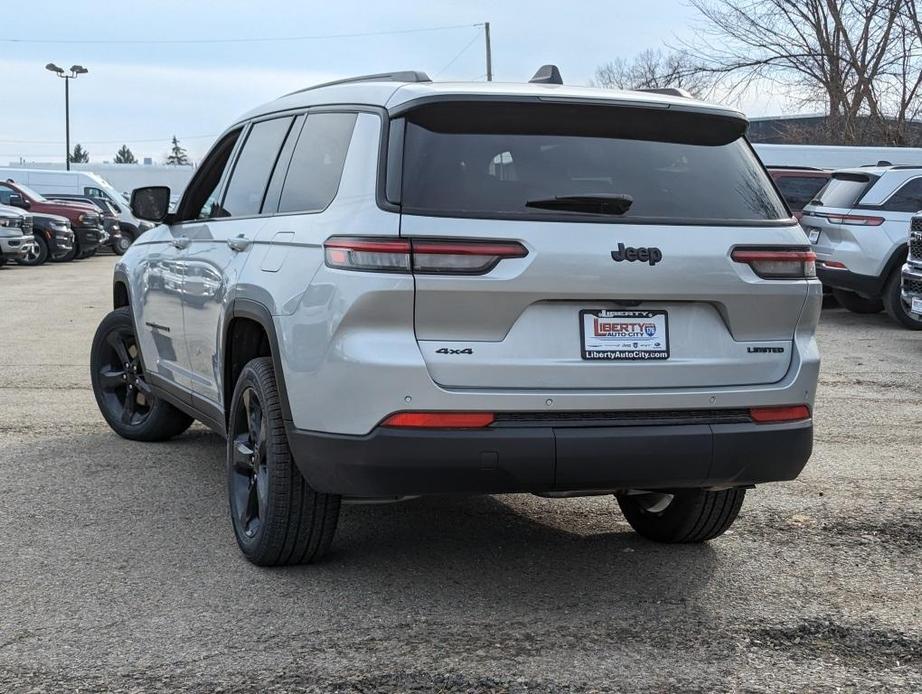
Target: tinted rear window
(843,191)
(799,190)
(317,162)
(490,160)
(248,182)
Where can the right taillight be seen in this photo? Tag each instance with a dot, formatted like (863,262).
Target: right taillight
(778,264)
(421,256)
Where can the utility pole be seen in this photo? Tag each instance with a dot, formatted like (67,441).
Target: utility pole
(486,30)
(67,124)
(75,70)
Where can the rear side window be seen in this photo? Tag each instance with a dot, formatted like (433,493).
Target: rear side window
(799,190)
(843,190)
(906,199)
(248,182)
(498,160)
(317,162)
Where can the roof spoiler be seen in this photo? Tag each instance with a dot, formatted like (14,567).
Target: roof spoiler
(668,91)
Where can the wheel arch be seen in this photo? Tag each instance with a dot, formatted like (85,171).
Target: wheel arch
(249,332)
(121,295)
(894,263)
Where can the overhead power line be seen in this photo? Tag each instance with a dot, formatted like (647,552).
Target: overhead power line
(459,54)
(307,37)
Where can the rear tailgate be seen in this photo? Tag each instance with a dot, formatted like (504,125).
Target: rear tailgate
(647,298)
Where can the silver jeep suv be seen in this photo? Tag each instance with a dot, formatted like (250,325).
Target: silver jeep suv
(857,224)
(385,287)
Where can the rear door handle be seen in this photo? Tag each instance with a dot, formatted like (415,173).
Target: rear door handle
(181,242)
(239,243)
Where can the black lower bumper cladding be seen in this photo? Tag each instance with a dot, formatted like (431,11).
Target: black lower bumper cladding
(865,285)
(523,458)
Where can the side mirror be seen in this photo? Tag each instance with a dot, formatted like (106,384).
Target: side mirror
(151,203)
(16,200)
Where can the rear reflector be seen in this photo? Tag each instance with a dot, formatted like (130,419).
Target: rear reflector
(769,415)
(439,420)
(831,264)
(422,256)
(778,264)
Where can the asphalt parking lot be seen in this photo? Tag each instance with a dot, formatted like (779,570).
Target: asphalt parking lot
(120,572)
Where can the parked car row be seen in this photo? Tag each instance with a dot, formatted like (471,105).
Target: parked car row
(37,227)
(865,226)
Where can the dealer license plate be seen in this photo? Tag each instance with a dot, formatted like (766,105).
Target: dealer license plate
(624,335)
(813,234)
(916,306)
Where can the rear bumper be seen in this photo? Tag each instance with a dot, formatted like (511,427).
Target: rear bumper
(866,285)
(394,462)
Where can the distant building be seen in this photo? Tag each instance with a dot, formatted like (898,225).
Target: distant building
(815,129)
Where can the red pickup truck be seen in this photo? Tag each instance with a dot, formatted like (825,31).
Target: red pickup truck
(85,220)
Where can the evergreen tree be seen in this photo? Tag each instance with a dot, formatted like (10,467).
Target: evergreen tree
(124,156)
(79,155)
(178,155)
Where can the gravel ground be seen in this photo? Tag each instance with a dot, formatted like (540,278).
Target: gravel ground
(120,572)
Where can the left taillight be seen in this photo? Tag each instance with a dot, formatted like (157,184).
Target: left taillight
(367,255)
(854,219)
(778,264)
(421,256)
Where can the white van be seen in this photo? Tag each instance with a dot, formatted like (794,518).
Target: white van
(51,182)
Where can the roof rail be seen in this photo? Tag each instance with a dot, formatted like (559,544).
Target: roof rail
(668,91)
(399,76)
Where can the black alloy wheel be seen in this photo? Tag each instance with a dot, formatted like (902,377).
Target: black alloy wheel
(125,393)
(250,479)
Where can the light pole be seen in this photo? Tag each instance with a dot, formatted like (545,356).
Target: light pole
(74,71)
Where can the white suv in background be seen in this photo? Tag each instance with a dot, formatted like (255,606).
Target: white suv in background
(858,225)
(386,287)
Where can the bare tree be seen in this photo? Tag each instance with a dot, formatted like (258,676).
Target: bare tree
(654,69)
(858,59)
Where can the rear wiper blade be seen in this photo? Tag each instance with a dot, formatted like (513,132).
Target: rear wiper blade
(596,203)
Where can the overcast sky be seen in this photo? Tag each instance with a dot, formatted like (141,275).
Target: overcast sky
(140,94)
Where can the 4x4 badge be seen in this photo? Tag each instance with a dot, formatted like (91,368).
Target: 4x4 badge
(650,255)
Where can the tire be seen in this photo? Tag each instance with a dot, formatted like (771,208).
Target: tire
(82,255)
(278,518)
(122,394)
(857,303)
(691,515)
(896,308)
(122,245)
(39,256)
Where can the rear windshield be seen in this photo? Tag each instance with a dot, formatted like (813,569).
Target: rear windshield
(799,190)
(491,161)
(843,190)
